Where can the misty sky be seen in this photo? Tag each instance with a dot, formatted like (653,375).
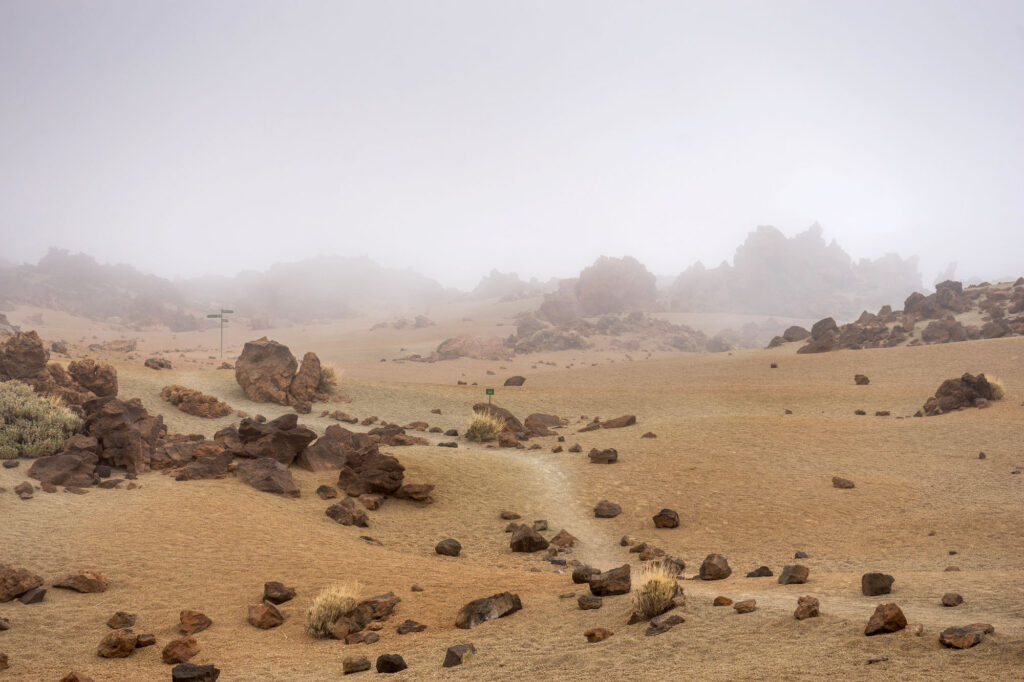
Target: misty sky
(452,137)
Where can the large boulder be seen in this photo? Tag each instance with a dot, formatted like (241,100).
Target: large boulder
(15,582)
(268,475)
(98,377)
(304,386)
(74,469)
(369,471)
(615,285)
(282,439)
(886,618)
(125,432)
(526,539)
(22,356)
(715,567)
(956,394)
(608,583)
(482,610)
(210,461)
(265,371)
(325,454)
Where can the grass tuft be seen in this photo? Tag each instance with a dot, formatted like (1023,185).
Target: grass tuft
(332,603)
(655,588)
(484,426)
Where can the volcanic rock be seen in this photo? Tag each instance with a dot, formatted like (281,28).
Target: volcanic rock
(874,584)
(715,567)
(117,644)
(448,547)
(267,475)
(488,608)
(886,618)
(180,650)
(458,654)
(794,575)
(666,518)
(608,583)
(806,607)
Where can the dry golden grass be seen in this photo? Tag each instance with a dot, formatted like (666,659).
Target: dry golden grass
(747,480)
(333,602)
(654,588)
(484,427)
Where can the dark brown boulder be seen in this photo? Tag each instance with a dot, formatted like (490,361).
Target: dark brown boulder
(368,471)
(886,618)
(210,462)
(842,483)
(281,439)
(715,567)
(265,370)
(952,599)
(666,518)
(98,377)
(121,620)
(588,602)
(267,475)
(15,582)
(607,456)
(157,363)
(874,584)
(608,583)
(117,644)
(526,539)
(458,654)
(264,616)
(417,492)
(963,637)
(795,333)
(347,514)
(325,454)
(276,593)
(390,663)
(861,380)
(955,394)
(538,424)
(305,384)
(794,575)
(189,672)
(807,607)
(326,492)
(607,510)
(745,606)
(583,574)
(408,627)
(448,547)
(125,432)
(488,608)
(515,381)
(65,469)
(22,356)
(619,422)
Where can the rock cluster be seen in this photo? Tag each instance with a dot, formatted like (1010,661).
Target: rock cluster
(23,357)
(957,394)
(196,403)
(268,373)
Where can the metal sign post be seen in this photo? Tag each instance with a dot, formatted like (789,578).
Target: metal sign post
(223,321)
(489,392)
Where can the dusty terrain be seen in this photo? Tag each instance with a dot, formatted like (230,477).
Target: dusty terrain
(748,481)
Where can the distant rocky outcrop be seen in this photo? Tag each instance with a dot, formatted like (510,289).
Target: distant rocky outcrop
(952,313)
(610,285)
(475,347)
(957,394)
(801,276)
(268,372)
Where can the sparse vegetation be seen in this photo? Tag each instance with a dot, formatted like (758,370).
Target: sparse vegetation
(655,588)
(332,603)
(484,427)
(32,425)
(998,390)
(329,378)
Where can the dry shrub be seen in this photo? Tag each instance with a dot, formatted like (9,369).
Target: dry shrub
(329,378)
(484,426)
(998,389)
(332,603)
(32,425)
(655,588)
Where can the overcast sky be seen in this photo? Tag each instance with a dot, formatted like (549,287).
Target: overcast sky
(452,137)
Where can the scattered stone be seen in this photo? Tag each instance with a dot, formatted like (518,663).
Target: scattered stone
(859,413)
(662,624)
(326,492)
(458,654)
(416,587)
(264,616)
(575,448)
(11,463)
(117,644)
(666,518)
(794,575)
(346,514)
(915,630)
(410,626)
(83,581)
(874,584)
(619,422)
(563,539)
(715,567)
(488,608)
(961,637)
(952,599)
(649,434)
(526,539)
(877,659)
(267,475)
(276,593)
(180,650)
(607,456)
(583,574)
(540,525)
(510,516)
(145,640)
(801,555)
(390,663)
(981,455)
(189,672)
(589,602)
(5,624)
(861,380)
(607,510)
(886,618)
(608,583)
(842,483)
(761,572)
(745,606)
(193,622)
(121,620)
(628,540)
(15,582)
(73,676)
(721,601)
(448,547)
(354,664)
(595,635)
(807,607)
(515,381)
(24,490)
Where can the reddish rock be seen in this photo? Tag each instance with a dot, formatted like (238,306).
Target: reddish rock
(715,567)
(608,583)
(448,547)
(265,370)
(196,403)
(83,581)
(806,607)
(666,518)
(961,637)
(721,600)
(346,513)
(267,475)
(745,606)
(952,599)
(15,582)
(180,650)
(607,456)
(418,492)
(794,575)
(595,635)
(526,539)
(326,492)
(886,618)
(65,469)
(874,584)
(117,644)
(276,593)
(193,622)
(619,422)
(263,616)
(607,510)
(121,620)
(563,539)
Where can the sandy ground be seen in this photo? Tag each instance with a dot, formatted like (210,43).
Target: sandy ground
(748,481)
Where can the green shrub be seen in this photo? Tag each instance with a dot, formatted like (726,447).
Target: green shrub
(32,425)
(655,588)
(484,426)
(332,603)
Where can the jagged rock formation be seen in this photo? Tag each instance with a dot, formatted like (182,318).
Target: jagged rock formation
(24,357)
(268,373)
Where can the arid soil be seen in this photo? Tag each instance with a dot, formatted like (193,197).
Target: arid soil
(748,481)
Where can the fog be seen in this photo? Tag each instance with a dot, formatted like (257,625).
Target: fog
(198,138)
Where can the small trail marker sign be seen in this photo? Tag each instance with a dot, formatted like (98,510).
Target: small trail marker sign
(489,392)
